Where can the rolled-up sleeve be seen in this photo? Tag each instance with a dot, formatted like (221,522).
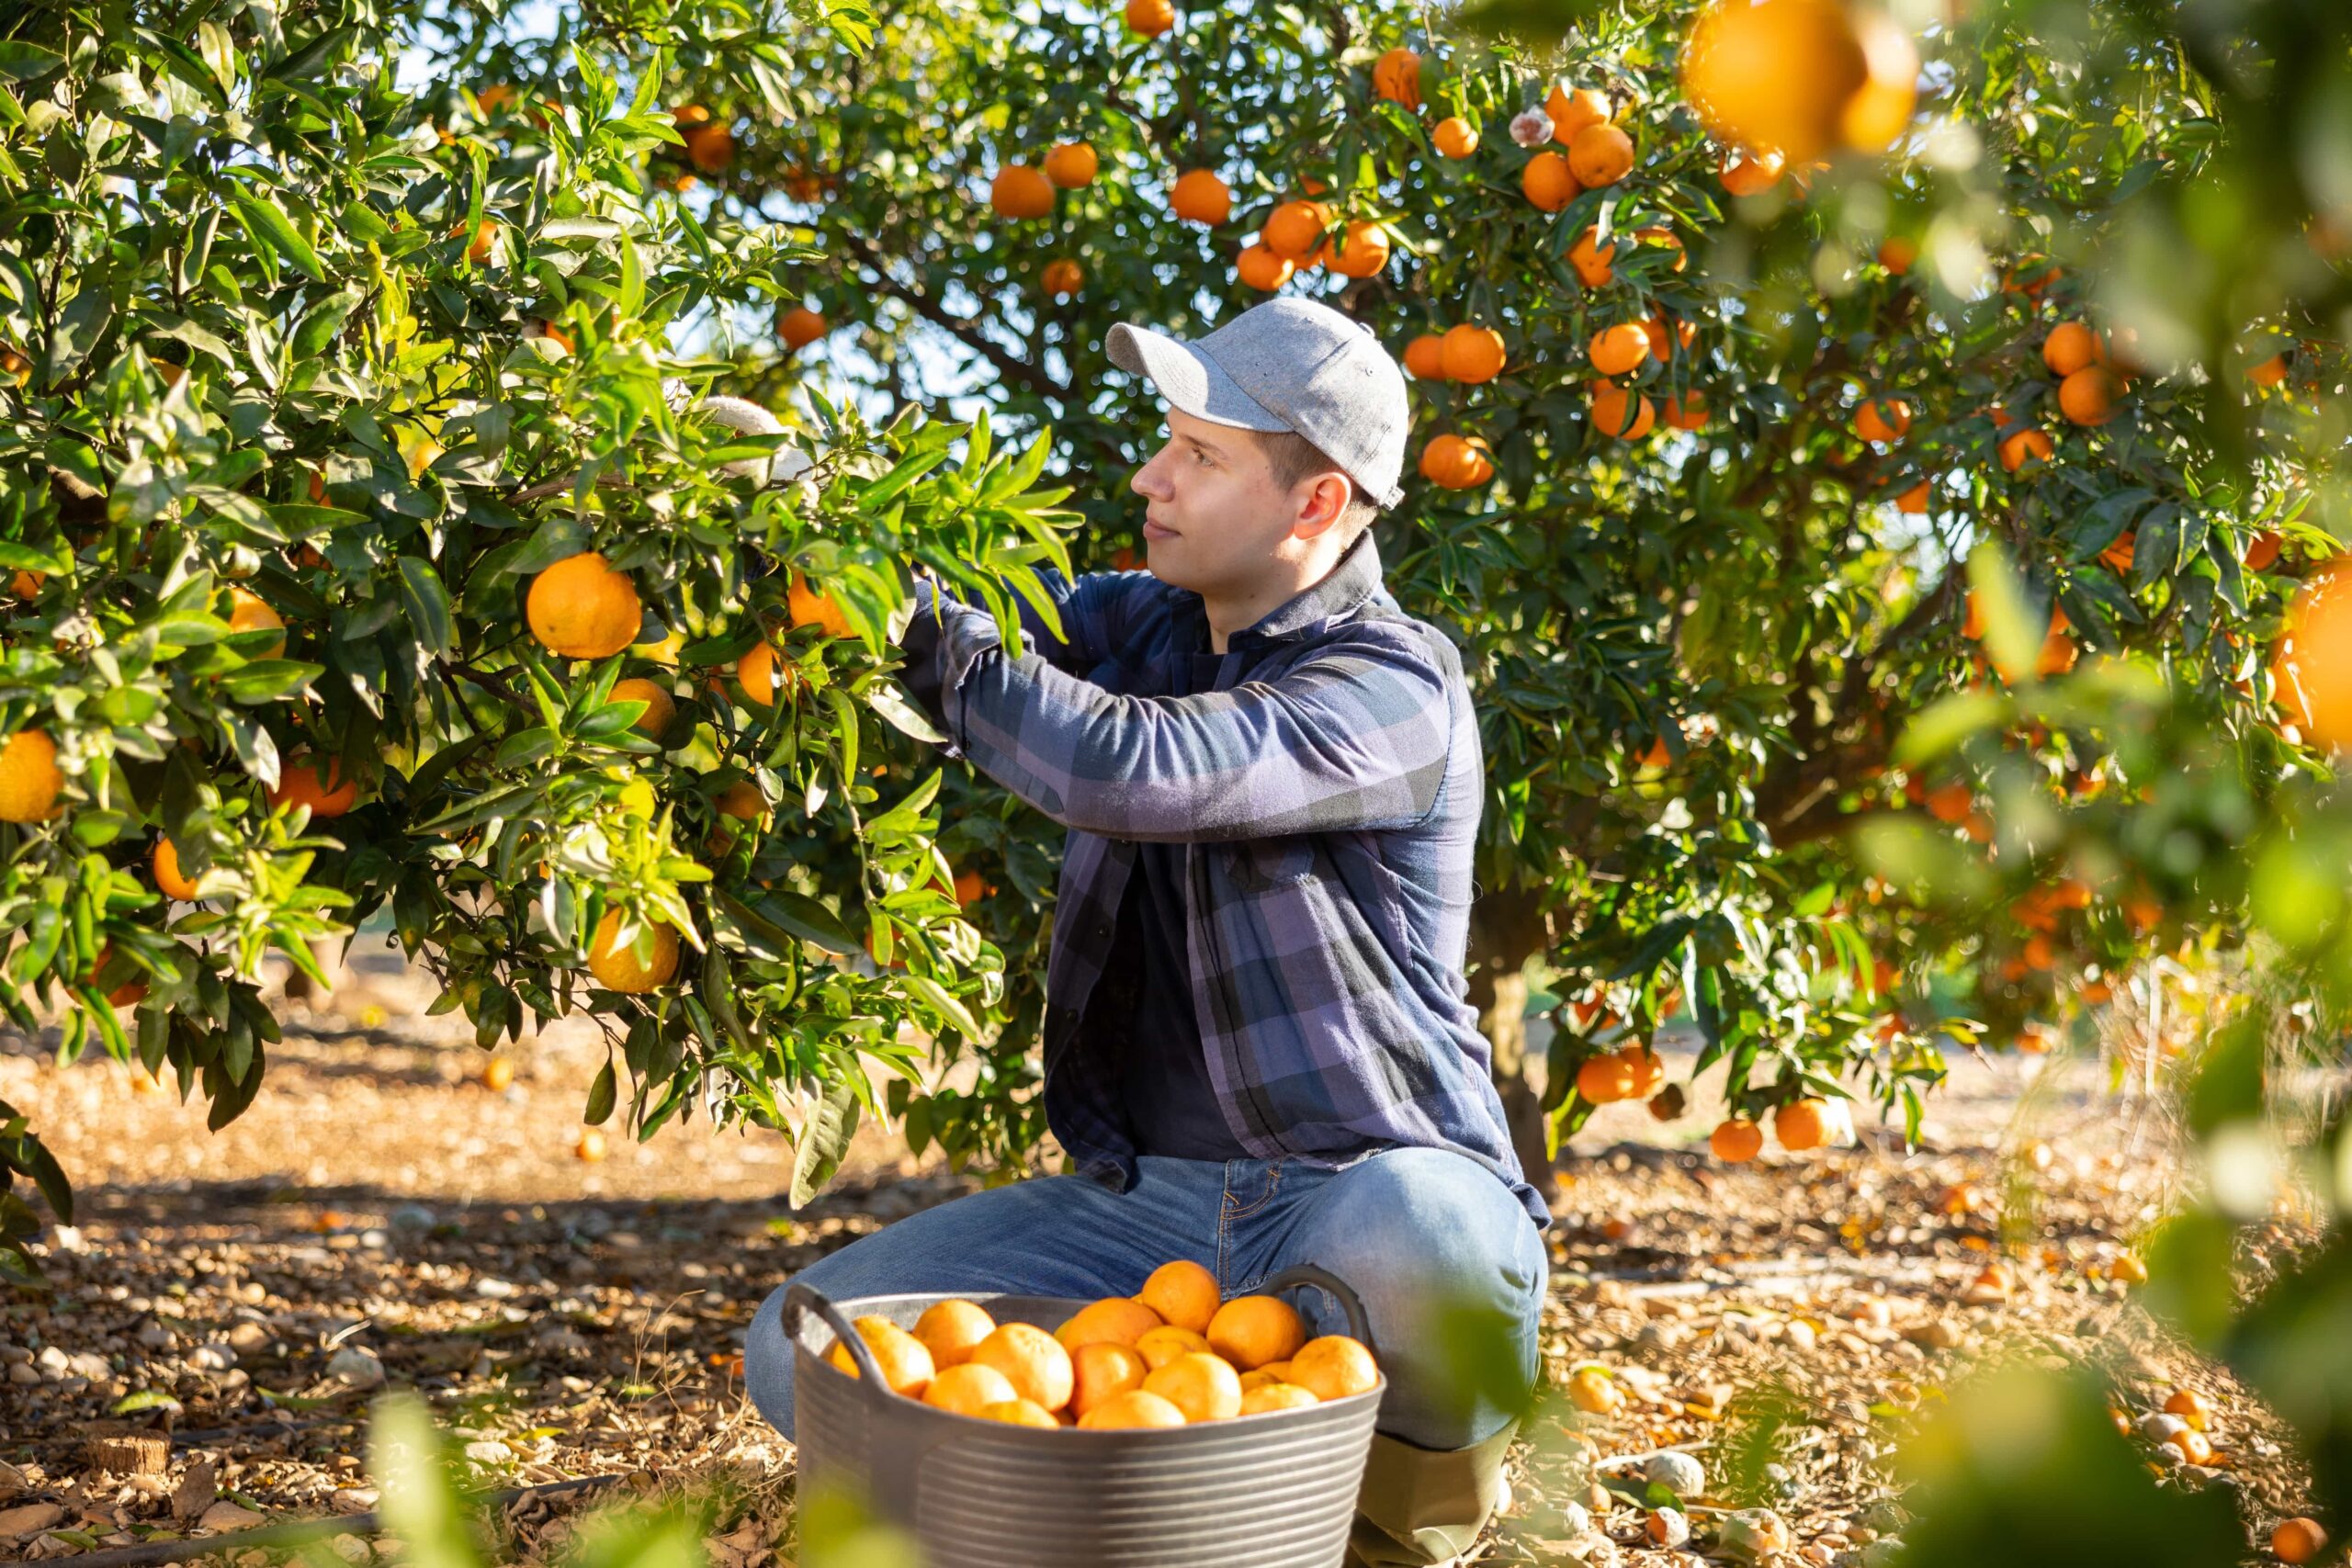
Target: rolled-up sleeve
(1354,737)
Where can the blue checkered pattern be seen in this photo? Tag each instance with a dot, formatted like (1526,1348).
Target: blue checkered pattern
(1326,783)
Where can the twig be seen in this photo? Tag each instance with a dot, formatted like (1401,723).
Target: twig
(931,311)
(299,1532)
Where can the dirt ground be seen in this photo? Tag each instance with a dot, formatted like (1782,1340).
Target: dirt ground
(379,1217)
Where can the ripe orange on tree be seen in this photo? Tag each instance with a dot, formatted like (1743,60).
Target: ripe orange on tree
(1457,462)
(2072,346)
(617,965)
(1735,1140)
(1454,138)
(1592,263)
(809,608)
(2261,550)
(1184,1293)
(582,608)
(1472,354)
(1397,76)
(2318,630)
(248,611)
(711,147)
(1250,1331)
(1295,229)
(1749,173)
(1151,17)
(1618,350)
(1619,413)
(1573,109)
(1800,1124)
(1666,334)
(485,240)
(660,706)
(800,327)
(30,777)
(1896,254)
(2270,373)
(1549,181)
(1019,191)
(1425,357)
(588,1148)
(2026,446)
(1200,196)
(1606,1080)
(169,881)
(1263,270)
(2087,396)
(300,782)
(1800,76)
(1071,164)
(1063,278)
(497,1074)
(1647,1067)
(1362,251)
(1601,155)
(1884,420)
(1687,412)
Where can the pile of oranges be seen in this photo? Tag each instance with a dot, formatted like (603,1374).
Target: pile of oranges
(1173,1354)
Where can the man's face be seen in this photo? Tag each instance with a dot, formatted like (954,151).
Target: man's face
(1218,523)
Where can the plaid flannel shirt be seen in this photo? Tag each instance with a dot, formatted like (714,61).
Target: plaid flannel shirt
(1327,788)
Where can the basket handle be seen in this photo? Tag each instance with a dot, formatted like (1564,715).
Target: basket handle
(1291,1278)
(801,1300)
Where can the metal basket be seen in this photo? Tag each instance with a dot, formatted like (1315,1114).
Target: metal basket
(1271,1491)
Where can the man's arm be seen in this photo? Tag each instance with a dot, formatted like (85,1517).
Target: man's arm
(1081,604)
(1356,738)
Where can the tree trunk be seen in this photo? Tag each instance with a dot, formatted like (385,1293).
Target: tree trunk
(1506,929)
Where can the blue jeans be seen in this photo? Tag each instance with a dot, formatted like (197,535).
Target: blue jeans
(1430,1241)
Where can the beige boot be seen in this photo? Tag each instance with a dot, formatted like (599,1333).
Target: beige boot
(1424,1508)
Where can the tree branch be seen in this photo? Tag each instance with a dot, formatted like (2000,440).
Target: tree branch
(931,311)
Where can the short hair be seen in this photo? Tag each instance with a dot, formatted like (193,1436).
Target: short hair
(1292,457)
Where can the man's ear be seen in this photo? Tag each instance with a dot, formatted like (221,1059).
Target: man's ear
(1324,504)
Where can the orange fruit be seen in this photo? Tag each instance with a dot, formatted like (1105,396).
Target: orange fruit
(1664,335)
(660,707)
(248,613)
(1616,412)
(1136,1407)
(1800,1124)
(1574,110)
(540,327)
(1454,138)
(968,1390)
(1063,278)
(1115,1320)
(1594,1391)
(168,880)
(2087,396)
(26,584)
(906,1365)
(760,674)
(1019,191)
(800,327)
(2128,1269)
(2270,372)
(1549,181)
(950,1329)
(497,1075)
(1735,1140)
(1362,251)
(2317,649)
(1884,420)
(1615,351)
(1949,803)
(1397,76)
(1592,263)
(1774,73)
(1151,17)
(300,782)
(1295,229)
(617,964)
(2193,1447)
(582,608)
(1897,254)
(588,1148)
(1250,1331)
(2072,346)
(2263,550)
(1333,1367)
(1687,412)
(2298,1540)
(1100,1372)
(1606,1080)
(479,248)
(2026,446)
(1023,1411)
(1157,1347)
(1913,501)
(1200,1385)
(1071,164)
(1032,1360)
(2190,1406)
(1200,196)
(709,148)
(1649,1071)
(1183,1293)
(1456,462)
(1601,155)
(1472,354)
(1261,269)
(970,888)
(1425,357)
(1272,1396)
(1750,174)
(809,608)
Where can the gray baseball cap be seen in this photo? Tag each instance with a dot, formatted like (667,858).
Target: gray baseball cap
(1287,365)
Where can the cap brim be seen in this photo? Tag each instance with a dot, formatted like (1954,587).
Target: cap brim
(1187,379)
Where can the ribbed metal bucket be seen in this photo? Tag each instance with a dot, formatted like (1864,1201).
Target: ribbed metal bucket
(1271,1491)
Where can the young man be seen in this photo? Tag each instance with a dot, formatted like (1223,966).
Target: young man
(1256,1051)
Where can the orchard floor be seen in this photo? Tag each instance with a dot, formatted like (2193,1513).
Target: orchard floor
(570,1318)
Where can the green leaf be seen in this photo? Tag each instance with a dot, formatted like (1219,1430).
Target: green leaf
(2011,636)
(269,226)
(427,603)
(806,919)
(21,62)
(946,1005)
(603,1095)
(885,699)
(825,1134)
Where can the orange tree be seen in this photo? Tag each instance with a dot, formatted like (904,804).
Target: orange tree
(1725,364)
(369,549)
